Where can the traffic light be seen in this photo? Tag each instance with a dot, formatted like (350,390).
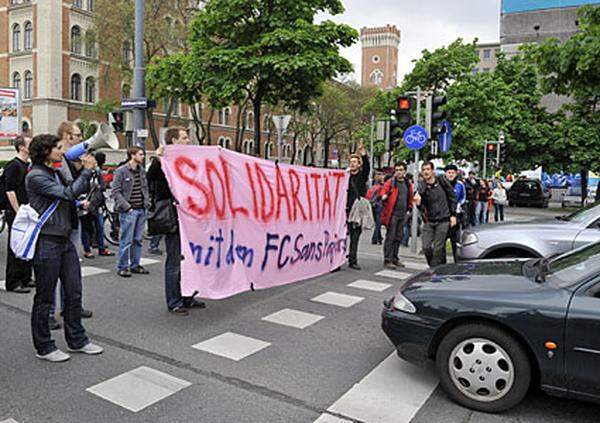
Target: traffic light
(396,131)
(403,112)
(491,154)
(117,120)
(437,116)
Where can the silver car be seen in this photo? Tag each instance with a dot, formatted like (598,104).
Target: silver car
(536,238)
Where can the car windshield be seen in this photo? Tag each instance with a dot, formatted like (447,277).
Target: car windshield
(583,215)
(575,267)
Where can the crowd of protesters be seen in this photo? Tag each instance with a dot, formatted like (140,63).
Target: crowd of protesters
(73,195)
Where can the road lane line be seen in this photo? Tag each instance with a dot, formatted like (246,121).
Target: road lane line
(392,393)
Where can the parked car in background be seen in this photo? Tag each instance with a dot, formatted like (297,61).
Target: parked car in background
(493,328)
(537,238)
(528,192)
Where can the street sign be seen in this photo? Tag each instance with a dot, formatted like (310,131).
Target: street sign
(381,127)
(134,103)
(10,113)
(142,133)
(446,137)
(415,137)
(281,122)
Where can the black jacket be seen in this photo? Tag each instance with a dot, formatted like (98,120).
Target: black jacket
(438,211)
(357,187)
(43,189)
(157,182)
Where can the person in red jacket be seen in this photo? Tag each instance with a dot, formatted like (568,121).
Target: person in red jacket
(397,194)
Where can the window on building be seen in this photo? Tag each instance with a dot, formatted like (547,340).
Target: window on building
(270,147)
(90,5)
(227,144)
(28,36)
(267,124)
(16,80)
(126,52)
(77,4)
(90,45)
(376,77)
(126,91)
(249,120)
(90,90)
(25,127)
(225,114)
(175,107)
(76,39)
(28,89)
(487,53)
(16,37)
(76,87)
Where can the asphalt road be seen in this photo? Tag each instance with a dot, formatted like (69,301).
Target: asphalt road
(339,367)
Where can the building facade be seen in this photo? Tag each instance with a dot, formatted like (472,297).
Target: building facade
(488,57)
(380,56)
(45,53)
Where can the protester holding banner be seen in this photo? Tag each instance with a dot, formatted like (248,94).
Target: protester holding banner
(357,188)
(55,254)
(176,304)
(397,194)
(18,272)
(132,199)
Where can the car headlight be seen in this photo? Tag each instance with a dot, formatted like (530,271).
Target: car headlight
(402,303)
(469,238)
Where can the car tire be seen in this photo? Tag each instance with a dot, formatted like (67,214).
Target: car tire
(494,355)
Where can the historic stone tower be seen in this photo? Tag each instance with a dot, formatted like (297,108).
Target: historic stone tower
(380,56)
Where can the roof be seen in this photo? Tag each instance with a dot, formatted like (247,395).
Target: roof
(520,6)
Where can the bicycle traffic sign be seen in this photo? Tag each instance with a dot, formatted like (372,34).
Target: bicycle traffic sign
(415,137)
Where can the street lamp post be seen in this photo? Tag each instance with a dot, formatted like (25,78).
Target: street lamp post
(139,75)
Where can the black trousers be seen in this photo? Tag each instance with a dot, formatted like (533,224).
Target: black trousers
(354,231)
(454,236)
(18,272)
(434,242)
(393,238)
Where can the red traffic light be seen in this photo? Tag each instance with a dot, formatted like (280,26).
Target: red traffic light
(404,103)
(491,147)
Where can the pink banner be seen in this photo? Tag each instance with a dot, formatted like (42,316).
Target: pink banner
(247,223)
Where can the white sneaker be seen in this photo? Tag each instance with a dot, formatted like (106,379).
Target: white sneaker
(89,348)
(56,356)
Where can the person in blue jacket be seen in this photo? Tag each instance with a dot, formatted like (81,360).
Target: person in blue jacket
(461,196)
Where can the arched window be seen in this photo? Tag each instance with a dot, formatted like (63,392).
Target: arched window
(377,77)
(90,90)
(175,108)
(16,37)
(287,151)
(76,87)
(90,5)
(77,4)
(267,124)
(76,40)
(248,146)
(249,120)
(28,36)
(225,114)
(90,46)
(16,80)
(25,127)
(28,90)
(221,142)
(270,147)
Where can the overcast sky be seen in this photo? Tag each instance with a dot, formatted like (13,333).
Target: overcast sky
(423,24)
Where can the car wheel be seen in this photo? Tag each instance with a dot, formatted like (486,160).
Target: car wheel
(483,368)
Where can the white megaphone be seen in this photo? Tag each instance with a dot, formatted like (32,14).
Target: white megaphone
(104,137)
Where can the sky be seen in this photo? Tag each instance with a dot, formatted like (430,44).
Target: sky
(423,24)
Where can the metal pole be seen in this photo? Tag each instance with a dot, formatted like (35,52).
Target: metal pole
(415,211)
(485,160)
(139,73)
(279,145)
(371,150)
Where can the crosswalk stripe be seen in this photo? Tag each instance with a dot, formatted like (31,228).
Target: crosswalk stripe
(392,393)
(336,299)
(393,274)
(147,261)
(369,285)
(91,271)
(2,288)
(232,346)
(416,265)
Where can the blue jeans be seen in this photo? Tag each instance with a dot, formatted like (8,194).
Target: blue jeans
(98,226)
(480,212)
(56,258)
(132,226)
(173,271)
(405,235)
(155,242)
(377,237)
(74,237)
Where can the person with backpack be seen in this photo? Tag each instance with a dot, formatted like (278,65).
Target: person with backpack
(397,195)
(437,201)
(373,195)
(18,272)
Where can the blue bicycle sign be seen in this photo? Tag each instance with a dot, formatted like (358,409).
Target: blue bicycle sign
(415,137)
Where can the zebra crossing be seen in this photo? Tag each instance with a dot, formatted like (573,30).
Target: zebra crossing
(141,387)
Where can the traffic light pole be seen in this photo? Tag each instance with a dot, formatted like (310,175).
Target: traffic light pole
(414,230)
(371,149)
(139,74)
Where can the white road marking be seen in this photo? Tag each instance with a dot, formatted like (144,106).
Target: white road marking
(2,288)
(232,346)
(91,271)
(9,421)
(147,261)
(138,388)
(392,393)
(293,318)
(393,274)
(339,300)
(370,285)
(416,265)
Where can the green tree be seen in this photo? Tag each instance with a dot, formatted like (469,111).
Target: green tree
(271,51)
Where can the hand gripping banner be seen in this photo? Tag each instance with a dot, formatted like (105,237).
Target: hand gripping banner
(248,223)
